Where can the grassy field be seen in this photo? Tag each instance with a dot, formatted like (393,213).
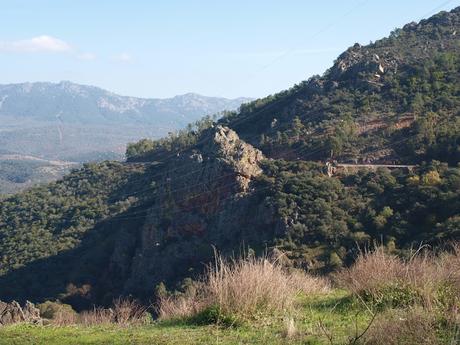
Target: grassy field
(336,311)
(387,301)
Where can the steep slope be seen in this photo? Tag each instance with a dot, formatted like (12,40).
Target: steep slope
(257,180)
(394,100)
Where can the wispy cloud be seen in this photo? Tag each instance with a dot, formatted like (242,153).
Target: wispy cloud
(123,57)
(43,43)
(86,56)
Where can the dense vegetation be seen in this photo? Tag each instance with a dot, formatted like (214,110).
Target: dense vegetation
(19,174)
(400,93)
(328,217)
(52,218)
(121,228)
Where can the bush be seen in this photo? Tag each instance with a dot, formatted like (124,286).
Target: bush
(403,328)
(214,315)
(50,309)
(427,280)
(60,314)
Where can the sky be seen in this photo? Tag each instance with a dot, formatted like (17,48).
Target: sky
(158,49)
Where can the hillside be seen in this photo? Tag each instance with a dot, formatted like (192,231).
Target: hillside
(21,172)
(258,179)
(393,100)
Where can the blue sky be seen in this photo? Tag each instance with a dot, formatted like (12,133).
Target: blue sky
(164,48)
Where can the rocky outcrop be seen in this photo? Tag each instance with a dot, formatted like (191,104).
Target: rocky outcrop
(201,201)
(359,60)
(237,155)
(11,313)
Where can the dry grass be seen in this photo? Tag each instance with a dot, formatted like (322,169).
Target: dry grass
(289,328)
(124,312)
(243,289)
(65,317)
(409,327)
(425,278)
(97,316)
(181,306)
(129,312)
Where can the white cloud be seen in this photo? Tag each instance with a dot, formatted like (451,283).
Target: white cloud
(41,43)
(86,56)
(123,57)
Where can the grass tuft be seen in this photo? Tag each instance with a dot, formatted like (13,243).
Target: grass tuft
(243,289)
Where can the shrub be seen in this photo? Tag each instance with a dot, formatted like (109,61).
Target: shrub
(407,327)
(50,309)
(214,315)
(425,279)
(60,314)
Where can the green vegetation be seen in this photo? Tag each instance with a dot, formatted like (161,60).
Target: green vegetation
(330,217)
(174,142)
(314,308)
(16,175)
(400,94)
(55,217)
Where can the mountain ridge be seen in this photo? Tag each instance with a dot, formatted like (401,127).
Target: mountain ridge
(105,106)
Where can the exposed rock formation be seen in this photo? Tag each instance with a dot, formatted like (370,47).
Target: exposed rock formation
(11,313)
(238,155)
(362,63)
(199,203)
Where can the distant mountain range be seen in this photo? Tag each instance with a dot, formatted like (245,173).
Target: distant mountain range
(78,123)
(72,103)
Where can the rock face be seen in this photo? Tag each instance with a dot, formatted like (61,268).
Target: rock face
(11,313)
(202,201)
(358,59)
(236,154)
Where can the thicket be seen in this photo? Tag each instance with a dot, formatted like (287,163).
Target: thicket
(325,218)
(49,219)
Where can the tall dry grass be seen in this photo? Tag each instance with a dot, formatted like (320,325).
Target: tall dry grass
(243,289)
(428,279)
(406,327)
(124,312)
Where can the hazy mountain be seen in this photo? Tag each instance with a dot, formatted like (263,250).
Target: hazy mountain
(68,102)
(78,123)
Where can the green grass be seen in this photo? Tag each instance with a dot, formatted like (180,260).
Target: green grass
(337,310)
